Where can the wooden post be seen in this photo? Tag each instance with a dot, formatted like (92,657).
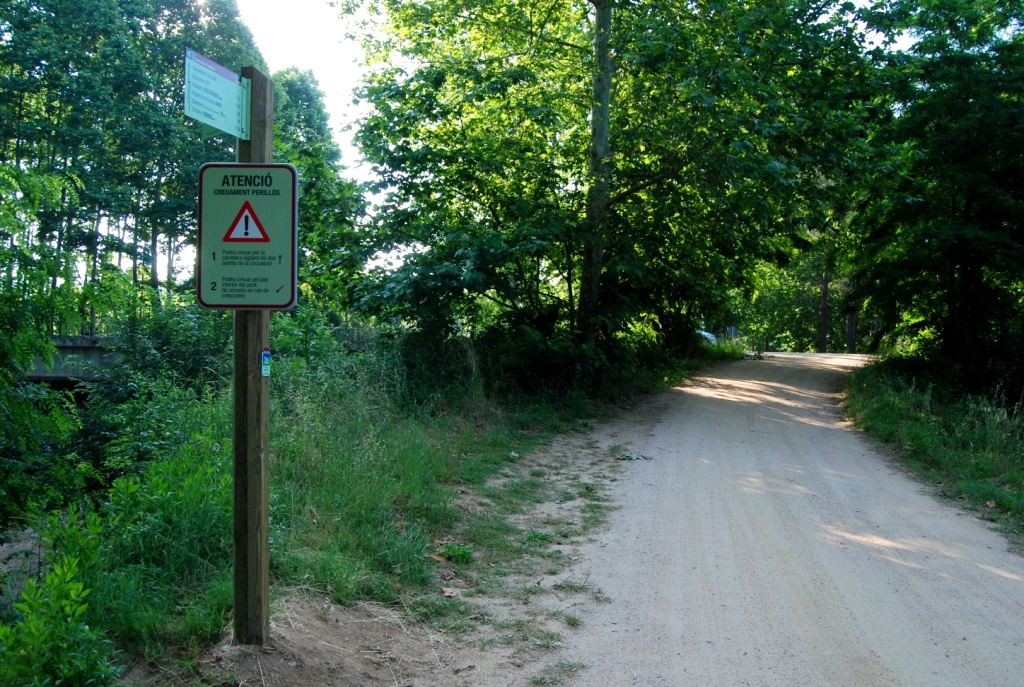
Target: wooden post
(252,416)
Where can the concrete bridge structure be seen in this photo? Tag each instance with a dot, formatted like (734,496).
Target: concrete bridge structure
(77,358)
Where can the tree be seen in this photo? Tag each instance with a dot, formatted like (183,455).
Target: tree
(333,248)
(706,125)
(33,420)
(595,235)
(91,92)
(942,264)
(481,148)
(739,126)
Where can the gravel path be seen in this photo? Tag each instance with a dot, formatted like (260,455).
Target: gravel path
(766,543)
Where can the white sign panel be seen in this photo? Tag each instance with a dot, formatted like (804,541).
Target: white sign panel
(215,95)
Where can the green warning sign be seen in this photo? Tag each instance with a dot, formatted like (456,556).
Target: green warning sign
(248,236)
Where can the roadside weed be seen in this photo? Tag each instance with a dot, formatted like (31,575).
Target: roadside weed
(972,446)
(457,553)
(557,674)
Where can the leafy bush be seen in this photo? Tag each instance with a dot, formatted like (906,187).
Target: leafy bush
(130,421)
(166,554)
(51,644)
(179,341)
(302,333)
(36,425)
(156,556)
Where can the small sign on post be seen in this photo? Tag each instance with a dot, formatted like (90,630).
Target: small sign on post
(215,95)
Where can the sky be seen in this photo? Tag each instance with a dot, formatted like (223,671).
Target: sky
(310,34)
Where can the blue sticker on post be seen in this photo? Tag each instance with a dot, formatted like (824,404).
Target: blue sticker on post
(265,359)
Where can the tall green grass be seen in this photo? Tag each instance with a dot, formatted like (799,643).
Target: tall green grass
(358,482)
(162,577)
(365,465)
(972,445)
(363,475)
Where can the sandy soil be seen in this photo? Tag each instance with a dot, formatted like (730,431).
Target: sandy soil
(757,539)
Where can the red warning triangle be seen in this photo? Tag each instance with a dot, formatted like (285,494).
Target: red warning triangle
(246,228)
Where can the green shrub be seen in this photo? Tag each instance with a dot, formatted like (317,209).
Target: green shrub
(168,540)
(51,644)
(157,555)
(179,341)
(39,472)
(459,554)
(303,333)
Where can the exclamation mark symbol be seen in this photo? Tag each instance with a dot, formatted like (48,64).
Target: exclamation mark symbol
(247,224)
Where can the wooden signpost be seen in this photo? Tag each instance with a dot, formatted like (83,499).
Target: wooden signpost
(252,416)
(248,263)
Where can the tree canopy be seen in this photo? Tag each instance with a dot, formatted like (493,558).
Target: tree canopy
(942,253)
(727,130)
(554,177)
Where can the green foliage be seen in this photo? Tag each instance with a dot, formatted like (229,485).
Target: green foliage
(177,340)
(156,556)
(459,554)
(973,445)
(784,310)
(727,349)
(724,122)
(36,427)
(130,421)
(166,552)
(68,73)
(944,247)
(364,473)
(165,359)
(35,423)
(29,305)
(333,250)
(183,548)
(54,450)
(89,199)
(304,333)
(51,644)
(364,469)
(72,534)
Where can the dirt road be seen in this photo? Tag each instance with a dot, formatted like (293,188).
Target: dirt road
(757,540)
(767,543)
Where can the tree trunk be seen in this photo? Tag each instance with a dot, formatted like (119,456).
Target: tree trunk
(570,296)
(169,281)
(58,259)
(154,239)
(851,332)
(136,237)
(823,319)
(94,250)
(597,194)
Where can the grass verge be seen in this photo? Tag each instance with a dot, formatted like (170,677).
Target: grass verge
(434,507)
(972,447)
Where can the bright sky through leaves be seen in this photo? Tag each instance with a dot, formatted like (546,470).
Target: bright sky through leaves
(310,34)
